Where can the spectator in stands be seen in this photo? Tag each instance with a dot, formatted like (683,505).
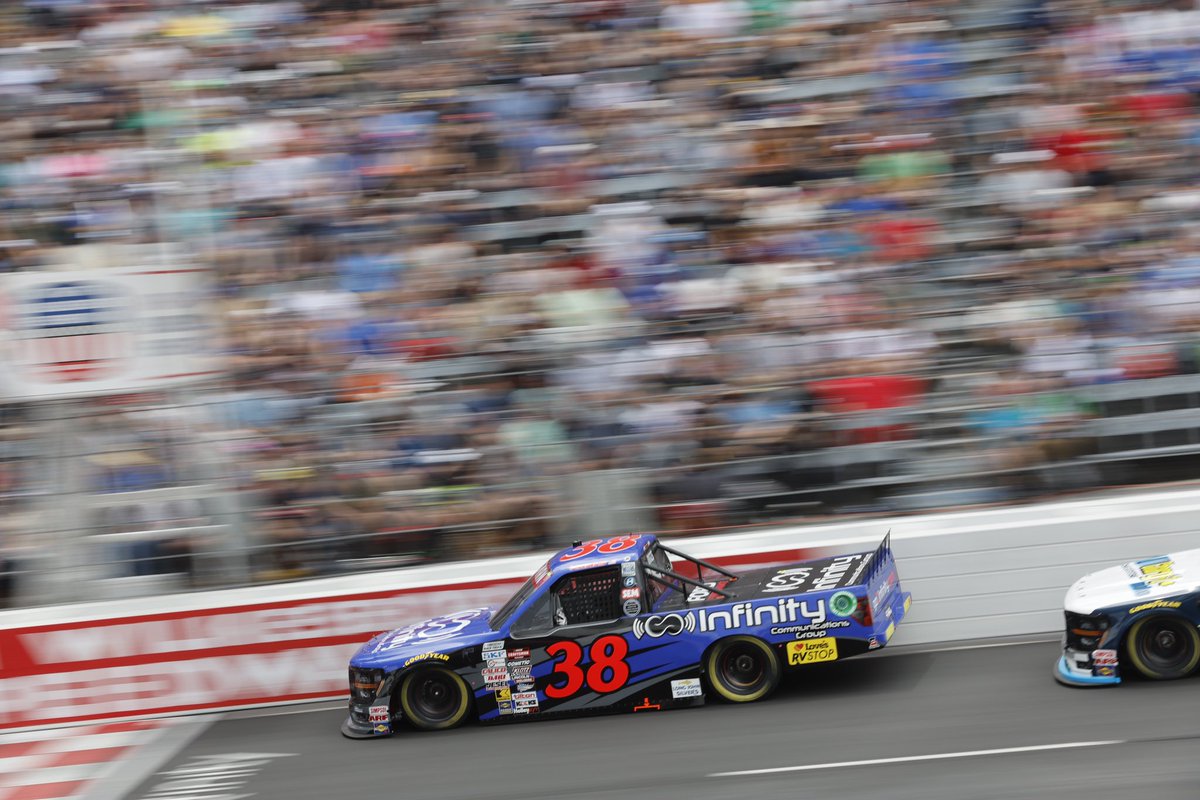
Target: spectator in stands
(464,262)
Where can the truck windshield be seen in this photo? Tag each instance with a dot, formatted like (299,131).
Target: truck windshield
(505,611)
(527,588)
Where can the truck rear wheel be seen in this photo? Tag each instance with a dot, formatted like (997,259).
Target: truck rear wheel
(742,669)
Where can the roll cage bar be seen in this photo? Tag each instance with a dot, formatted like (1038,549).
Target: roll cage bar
(657,573)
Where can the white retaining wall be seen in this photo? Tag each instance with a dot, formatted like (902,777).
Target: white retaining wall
(1002,571)
(973,574)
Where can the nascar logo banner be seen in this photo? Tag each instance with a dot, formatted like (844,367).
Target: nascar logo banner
(102,331)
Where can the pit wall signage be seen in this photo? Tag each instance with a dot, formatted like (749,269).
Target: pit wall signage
(85,333)
(236,656)
(204,660)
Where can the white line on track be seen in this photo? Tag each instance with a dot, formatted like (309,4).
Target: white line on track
(931,757)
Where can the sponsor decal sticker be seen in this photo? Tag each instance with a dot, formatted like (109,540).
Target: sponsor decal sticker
(748,614)
(496,663)
(687,687)
(700,593)
(837,572)
(1155,604)
(521,674)
(632,608)
(862,565)
(891,628)
(431,630)
(873,642)
(492,647)
(492,674)
(1104,658)
(884,589)
(843,604)
(659,625)
(631,594)
(788,580)
(629,568)
(1155,573)
(427,657)
(525,699)
(1105,672)
(628,581)
(832,574)
(801,630)
(503,694)
(505,707)
(812,652)
(524,687)
(518,654)
(381,720)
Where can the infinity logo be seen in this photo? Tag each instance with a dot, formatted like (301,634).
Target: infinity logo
(658,625)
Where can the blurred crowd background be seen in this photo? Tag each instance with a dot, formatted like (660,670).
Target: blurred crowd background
(483,277)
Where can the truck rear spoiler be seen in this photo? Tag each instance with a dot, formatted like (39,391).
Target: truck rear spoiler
(880,559)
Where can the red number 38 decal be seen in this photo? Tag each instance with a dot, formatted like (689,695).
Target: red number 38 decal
(614,545)
(607,672)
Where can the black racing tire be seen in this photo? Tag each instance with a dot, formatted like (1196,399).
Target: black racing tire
(1163,647)
(434,698)
(742,669)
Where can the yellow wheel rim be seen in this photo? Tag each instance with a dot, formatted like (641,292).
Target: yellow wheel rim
(426,697)
(1166,633)
(742,669)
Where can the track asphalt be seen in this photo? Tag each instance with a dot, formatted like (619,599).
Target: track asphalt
(926,715)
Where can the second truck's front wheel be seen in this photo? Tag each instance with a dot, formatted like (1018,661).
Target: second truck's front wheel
(742,669)
(1164,647)
(434,698)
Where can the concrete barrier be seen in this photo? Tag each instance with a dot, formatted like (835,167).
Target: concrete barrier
(973,574)
(1002,571)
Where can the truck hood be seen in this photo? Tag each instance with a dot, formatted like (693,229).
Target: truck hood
(438,635)
(1136,581)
